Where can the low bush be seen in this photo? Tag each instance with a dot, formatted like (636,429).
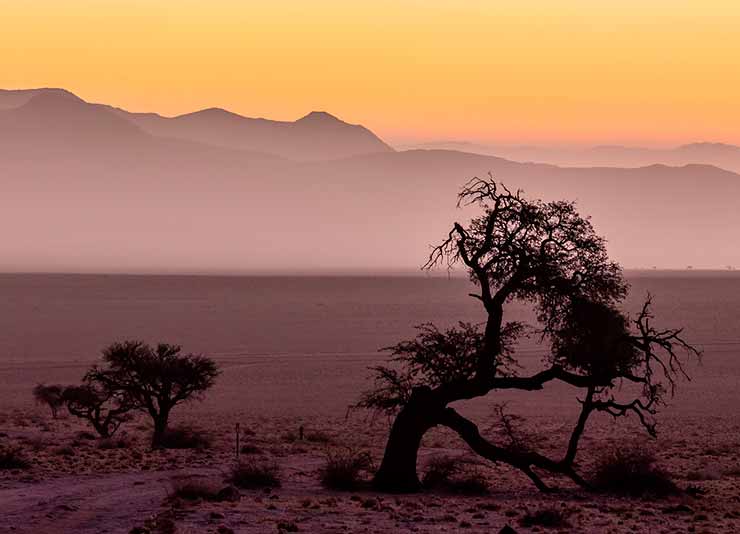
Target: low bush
(118,442)
(251,474)
(13,458)
(632,471)
(317,436)
(343,468)
(66,450)
(456,475)
(545,517)
(50,395)
(194,489)
(184,437)
(250,449)
(85,435)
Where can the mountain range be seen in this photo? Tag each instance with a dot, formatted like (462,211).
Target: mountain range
(93,188)
(721,155)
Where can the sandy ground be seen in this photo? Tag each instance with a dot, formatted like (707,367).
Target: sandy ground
(75,485)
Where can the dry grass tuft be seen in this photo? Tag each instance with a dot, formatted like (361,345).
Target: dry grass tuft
(343,468)
(632,471)
(254,473)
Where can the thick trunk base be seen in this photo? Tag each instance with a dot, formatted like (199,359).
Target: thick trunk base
(397,472)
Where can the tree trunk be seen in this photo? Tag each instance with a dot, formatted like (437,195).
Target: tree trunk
(101,429)
(397,472)
(160,427)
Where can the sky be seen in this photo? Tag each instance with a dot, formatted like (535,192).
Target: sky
(572,72)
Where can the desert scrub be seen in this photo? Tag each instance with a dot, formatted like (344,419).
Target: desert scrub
(193,489)
(456,475)
(546,517)
(631,471)
(343,468)
(184,437)
(119,442)
(13,458)
(254,473)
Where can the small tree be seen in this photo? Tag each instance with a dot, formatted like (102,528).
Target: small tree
(154,380)
(104,409)
(546,255)
(50,396)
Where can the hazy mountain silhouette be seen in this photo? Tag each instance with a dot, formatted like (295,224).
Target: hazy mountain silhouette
(316,136)
(717,154)
(85,189)
(60,118)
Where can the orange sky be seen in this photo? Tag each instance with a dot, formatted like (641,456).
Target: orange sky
(576,71)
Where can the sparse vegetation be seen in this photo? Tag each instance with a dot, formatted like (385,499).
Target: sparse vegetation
(119,442)
(250,449)
(631,471)
(343,468)
(50,396)
(255,473)
(184,437)
(546,517)
(193,489)
(456,475)
(13,458)
(317,436)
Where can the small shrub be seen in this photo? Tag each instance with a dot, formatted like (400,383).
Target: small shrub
(12,458)
(440,470)
(193,489)
(66,450)
(85,435)
(456,475)
(51,396)
(250,449)
(287,526)
(545,517)
(119,442)
(318,436)
(253,474)
(343,468)
(632,471)
(470,482)
(184,437)
(290,437)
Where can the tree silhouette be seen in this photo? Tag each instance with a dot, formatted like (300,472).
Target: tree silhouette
(103,408)
(548,256)
(154,380)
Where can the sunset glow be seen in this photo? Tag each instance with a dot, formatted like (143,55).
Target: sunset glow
(577,71)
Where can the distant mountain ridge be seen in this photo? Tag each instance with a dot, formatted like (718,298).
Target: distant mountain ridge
(721,155)
(90,188)
(317,136)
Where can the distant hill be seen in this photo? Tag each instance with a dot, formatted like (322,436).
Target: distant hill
(85,188)
(317,136)
(717,154)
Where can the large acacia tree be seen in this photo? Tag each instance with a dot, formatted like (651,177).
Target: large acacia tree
(547,255)
(153,380)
